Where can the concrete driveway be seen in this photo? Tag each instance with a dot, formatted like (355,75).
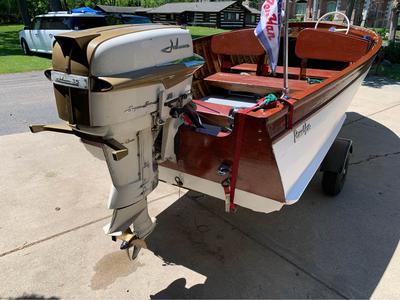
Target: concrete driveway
(53,194)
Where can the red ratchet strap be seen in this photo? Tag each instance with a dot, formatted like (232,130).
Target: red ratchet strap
(290,104)
(229,184)
(187,120)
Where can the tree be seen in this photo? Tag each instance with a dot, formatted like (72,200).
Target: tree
(55,5)
(23,11)
(365,12)
(350,8)
(394,19)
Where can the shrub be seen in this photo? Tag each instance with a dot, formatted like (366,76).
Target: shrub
(392,52)
(381,31)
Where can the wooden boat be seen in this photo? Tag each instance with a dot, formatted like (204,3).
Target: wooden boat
(275,150)
(129,88)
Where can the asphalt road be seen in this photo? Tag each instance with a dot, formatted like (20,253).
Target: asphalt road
(25,98)
(53,194)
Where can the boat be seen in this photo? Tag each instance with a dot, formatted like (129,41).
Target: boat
(209,115)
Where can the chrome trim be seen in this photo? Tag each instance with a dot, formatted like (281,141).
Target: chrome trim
(70,80)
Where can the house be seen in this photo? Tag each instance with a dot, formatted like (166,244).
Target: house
(220,14)
(372,13)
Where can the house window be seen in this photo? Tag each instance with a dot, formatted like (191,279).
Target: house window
(331,6)
(206,17)
(169,17)
(232,16)
(251,19)
(301,8)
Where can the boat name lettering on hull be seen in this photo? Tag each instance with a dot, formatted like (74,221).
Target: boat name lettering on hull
(301,131)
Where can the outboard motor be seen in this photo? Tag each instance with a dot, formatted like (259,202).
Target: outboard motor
(125,87)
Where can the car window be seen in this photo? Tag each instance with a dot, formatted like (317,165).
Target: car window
(55,23)
(80,23)
(135,20)
(114,20)
(36,23)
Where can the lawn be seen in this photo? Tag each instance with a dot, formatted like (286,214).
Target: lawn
(12,59)
(197,31)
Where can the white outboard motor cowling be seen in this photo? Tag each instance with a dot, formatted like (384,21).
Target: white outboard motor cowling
(125,87)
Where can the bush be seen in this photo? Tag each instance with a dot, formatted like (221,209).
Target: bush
(381,31)
(392,52)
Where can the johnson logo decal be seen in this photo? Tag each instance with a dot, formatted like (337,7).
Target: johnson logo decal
(173,46)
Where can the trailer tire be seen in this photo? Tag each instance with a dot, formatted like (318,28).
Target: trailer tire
(333,182)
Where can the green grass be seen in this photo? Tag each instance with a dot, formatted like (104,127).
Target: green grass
(198,31)
(12,59)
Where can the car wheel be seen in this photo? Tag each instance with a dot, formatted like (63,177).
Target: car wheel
(25,48)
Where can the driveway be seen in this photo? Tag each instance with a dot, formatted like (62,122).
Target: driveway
(53,195)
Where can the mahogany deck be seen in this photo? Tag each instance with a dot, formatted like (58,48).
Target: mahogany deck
(252,84)
(293,71)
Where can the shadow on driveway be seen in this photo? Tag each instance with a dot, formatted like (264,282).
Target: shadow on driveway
(342,244)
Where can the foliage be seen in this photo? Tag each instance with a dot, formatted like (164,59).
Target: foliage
(381,31)
(11,57)
(392,52)
(8,11)
(392,71)
(297,19)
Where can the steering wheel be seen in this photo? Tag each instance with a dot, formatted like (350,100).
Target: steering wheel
(334,13)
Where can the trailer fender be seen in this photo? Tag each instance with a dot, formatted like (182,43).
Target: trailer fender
(335,159)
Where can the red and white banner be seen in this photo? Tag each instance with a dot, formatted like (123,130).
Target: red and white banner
(268,30)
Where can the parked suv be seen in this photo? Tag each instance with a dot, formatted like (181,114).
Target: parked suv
(39,37)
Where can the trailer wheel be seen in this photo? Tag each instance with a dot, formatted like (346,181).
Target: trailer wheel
(333,182)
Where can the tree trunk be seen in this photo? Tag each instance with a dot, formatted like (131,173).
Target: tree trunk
(350,8)
(55,5)
(365,12)
(394,17)
(23,10)
(315,10)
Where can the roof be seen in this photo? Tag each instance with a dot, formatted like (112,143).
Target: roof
(252,10)
(180,7)
(67,14)
(121,9)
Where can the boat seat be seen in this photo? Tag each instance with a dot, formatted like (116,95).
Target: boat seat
(230,44)
(293,71)
(252,84)
(330,46)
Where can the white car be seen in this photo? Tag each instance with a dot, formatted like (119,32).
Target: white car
(39,37)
